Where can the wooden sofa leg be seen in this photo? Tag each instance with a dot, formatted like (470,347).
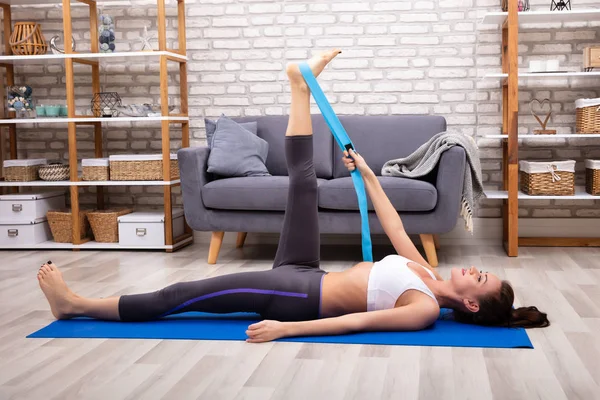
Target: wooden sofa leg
(215,246)
(429,245)
(436,241)
(241,238)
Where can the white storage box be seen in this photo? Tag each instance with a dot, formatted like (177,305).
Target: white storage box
(147,228)
(27,207)
(24,233)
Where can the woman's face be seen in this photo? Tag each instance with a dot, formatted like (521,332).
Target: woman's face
(471,285)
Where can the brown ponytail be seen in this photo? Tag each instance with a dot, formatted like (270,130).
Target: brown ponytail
(496,310)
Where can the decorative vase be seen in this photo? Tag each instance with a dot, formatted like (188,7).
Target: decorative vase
(106,33)
(54,45)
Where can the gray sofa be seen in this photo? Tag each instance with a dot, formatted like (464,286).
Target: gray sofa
(428,206)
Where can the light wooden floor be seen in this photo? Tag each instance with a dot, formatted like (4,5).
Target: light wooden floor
(564,365)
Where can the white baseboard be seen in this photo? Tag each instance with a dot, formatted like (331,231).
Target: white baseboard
(486,231)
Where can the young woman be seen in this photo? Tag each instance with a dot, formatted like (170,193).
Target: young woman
(296,297)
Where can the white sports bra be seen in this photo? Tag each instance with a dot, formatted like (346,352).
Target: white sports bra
(391,277)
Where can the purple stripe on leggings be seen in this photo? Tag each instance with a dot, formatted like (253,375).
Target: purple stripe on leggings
(233,291)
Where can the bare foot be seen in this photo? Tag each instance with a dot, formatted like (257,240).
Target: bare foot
(56,290)
(316,63)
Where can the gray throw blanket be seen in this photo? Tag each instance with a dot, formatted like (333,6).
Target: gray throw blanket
(425,158)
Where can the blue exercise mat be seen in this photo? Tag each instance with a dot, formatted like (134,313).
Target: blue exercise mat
(201,326)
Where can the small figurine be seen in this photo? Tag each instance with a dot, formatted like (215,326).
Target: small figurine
(543,124)
(145,40)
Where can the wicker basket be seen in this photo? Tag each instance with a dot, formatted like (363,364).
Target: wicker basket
(23,170)
(141,167)
(61,224)
(592,177)
(547,178)
(95,169)
(104,224)
(588,116)
(27,39)
(54,172)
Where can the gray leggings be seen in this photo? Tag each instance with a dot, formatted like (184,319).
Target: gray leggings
(291,291)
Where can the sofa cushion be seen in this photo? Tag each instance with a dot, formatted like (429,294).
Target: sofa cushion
(405,194)
(237,151)
(272,129)
(258,193)
(211,127)
(382,138)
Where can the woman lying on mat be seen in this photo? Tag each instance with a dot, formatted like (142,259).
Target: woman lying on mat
(400,292)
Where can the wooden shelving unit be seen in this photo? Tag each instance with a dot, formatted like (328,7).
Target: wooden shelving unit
(93,59)
(511,78)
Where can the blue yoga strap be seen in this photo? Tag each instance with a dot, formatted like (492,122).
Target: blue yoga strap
(343,140)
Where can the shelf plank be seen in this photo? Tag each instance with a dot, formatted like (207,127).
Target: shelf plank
(127,183)
(120,57)
(580,194)
(541,17)
(92,245)
(90,119)
(559,241)
(89,183)
(74,2)
(544,137)
(573,74)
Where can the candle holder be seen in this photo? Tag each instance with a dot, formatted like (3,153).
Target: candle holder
(560,5)
(104,104)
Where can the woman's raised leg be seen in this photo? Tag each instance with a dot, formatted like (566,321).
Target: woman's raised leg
(299,241)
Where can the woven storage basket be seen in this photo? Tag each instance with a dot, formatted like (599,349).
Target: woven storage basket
(23,170)
(104,224)
(61,225)
(550,178)
(588,116)
(54,172)
(95,169)
(592,177)
(27,39)
(143,167)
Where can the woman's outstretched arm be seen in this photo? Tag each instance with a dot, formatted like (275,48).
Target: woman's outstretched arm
(411,317)
(386,213)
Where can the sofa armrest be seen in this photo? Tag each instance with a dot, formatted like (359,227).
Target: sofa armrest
(193,165)
(449,184)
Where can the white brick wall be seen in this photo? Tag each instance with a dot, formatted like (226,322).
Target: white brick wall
(399,57)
